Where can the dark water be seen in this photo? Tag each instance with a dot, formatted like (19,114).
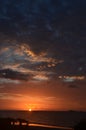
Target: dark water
(55,118)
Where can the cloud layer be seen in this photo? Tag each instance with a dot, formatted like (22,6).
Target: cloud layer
(42,39)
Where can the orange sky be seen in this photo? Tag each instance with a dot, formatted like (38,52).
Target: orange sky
(52,95)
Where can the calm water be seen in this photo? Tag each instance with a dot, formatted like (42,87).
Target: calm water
(55,118)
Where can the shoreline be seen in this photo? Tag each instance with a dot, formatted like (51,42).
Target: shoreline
(49,126)
(35,127)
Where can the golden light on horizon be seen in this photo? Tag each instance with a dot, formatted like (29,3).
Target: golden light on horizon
(30,109)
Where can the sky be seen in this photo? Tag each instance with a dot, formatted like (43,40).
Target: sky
(43,55)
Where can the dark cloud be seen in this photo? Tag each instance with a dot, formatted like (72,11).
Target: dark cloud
(73,86)
(10,74)
(56,28)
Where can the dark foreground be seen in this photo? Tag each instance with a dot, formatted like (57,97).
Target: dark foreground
(29,128)
(21,124)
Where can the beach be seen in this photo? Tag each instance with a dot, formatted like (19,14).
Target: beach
(35,127)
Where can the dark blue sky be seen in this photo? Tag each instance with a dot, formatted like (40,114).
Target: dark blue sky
(42,41)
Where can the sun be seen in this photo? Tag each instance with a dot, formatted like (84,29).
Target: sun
(30,109)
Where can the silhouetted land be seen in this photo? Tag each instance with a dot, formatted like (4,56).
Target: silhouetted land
(20,124)
(81,125)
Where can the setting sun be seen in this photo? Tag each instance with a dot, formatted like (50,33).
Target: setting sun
(30,109)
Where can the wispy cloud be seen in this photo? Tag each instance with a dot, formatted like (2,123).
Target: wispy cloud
(8,81)
(72,78)
(26,98)
(40,77)
(23,60)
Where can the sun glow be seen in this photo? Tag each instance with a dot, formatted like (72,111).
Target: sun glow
(30,109)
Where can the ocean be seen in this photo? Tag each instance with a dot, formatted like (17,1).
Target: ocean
(51,118)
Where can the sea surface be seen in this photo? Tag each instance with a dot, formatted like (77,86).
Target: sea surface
(51,118)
